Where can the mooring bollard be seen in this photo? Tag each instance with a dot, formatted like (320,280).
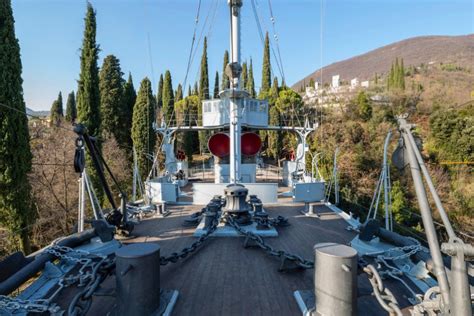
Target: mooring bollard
(335,279)
(138,279)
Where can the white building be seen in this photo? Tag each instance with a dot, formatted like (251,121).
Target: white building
(354,83)
(364,84)
(336,81)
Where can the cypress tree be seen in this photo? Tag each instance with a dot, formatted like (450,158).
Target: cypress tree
(266,67)
(274,91)
(225,80)
(56,113)
(251,82)
(88,94)
(195,89)
(129,99)
(143,136)
(111,99)
(190,92)
(244,76)
(71,111)
(159,93)
(216,86)
(401,75)
(275,138)
(204,77)
(179,93)
(16,207)
(168,98)
(203,92)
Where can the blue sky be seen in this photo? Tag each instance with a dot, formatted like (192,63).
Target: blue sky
(150,36)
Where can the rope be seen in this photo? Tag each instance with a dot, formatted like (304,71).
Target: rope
(275,36)
(192,44)
(260,31)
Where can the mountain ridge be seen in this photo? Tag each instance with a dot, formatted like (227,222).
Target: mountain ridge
(414,51)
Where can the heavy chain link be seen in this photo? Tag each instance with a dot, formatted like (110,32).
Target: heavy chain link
(29,306)
(175,256)
(406,251)
(81,257)
(383,295)
(303,263)
(82,302)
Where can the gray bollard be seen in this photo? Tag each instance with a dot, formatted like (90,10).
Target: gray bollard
(335,279)
(138,279)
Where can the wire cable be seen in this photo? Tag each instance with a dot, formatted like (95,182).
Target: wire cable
(276,38)
(192,44)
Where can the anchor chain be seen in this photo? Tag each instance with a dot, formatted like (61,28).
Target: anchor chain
(88,272)
(29,306)
(383,295)
(301,262)
(175,256)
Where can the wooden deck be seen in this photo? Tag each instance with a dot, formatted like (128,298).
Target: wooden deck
(223,278)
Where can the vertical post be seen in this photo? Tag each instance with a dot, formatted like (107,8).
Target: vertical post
(385,171)
(235,126)
(425,211)
(336,182)
(335,280)
(135,167)
(82,201)
(460,292)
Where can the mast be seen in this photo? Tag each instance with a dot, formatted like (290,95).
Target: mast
(233,71)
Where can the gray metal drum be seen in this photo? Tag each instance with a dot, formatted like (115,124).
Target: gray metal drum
(138,279)
(335,279)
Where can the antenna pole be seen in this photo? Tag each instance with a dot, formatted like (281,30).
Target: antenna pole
(234,111)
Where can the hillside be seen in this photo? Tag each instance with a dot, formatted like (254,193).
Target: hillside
(458,50)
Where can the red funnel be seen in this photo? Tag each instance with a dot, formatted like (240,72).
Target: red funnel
(250,144)
(219,145)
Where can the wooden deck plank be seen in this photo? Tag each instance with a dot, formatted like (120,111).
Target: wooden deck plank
(223,278)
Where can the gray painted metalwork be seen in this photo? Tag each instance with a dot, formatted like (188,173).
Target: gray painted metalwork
(138,279)
(425,210)
(335,279)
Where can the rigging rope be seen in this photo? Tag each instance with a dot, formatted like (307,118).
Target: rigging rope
(192,44)
(275,36)
(259,26)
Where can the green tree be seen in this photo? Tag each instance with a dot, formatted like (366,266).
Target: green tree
(143,136)
(159,93)
(225,79)
(364,107)
(189,140)
(216,86)
(179,93)
(251,82)
(168,98)
(401,76)
(88,94)
(204,77)
(399,203)
(275,138)
(195,89)
(71,111)
(244,76)
(129,99)
(203,92)
(311,82)
(266,67)
(111,99)
(56,113)
(16,207)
